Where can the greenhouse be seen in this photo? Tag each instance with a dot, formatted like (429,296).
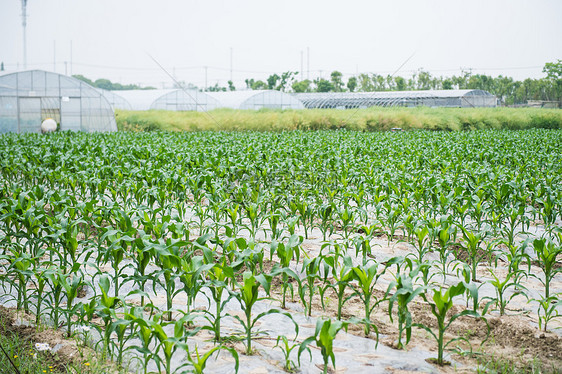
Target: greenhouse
(142,99)
(431,98)
(116,101)
(27,98)
(183,100)
(257,100)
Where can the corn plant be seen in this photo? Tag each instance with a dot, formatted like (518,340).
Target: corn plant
(219,275)
(502,285)
(440,305)
(141,327)
(247,295)
(547,253)
(367,276)
(286,348)
(472,242)
(312,268)
(169,344)
(343,275)
(71,284)
(105,308)
(168,261)
(363,243)
(287,253)
(445,238)
(192,272)
(198,362)
(325,213)
(324,336)
(405,292)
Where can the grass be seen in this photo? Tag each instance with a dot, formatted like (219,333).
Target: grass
(20,356)
(491,364)
(371,119)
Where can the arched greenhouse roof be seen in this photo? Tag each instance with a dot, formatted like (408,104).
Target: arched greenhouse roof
(142,99)
(433,98)
(257,99)
(183,100)
(27,98)
(117,101)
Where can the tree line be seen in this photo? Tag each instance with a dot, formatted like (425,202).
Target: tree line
(508,90)
(106,84)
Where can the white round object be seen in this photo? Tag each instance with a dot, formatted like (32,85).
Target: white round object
(48,125)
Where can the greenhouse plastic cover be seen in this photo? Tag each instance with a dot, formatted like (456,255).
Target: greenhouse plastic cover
(27,98)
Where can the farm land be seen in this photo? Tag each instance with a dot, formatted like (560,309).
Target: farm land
(325,251)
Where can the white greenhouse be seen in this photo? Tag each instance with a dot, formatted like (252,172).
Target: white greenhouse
(431,98)
(27,98)
(117,101)
(183,100)
(257,100)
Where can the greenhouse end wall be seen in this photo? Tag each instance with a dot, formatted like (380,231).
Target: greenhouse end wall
(28,98)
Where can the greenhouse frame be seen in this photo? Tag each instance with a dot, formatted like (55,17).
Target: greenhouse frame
(115,100)
(431,98)
(257,99)
(27,98)
(184,100)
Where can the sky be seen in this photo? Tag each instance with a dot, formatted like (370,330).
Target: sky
(211,41)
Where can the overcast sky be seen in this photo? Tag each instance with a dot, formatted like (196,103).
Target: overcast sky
(114,38)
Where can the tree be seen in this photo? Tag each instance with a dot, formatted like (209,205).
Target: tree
(352,84)
(379,82)
(553,72)
(302,86)
(106,84)
(216,88)
(286,80)
(83,79)
(365,83)
(504,88)
(424,80)
(249,83)
(231,86)
(2,66)
(255,85)
(447,84)
(337,83)
(400,83)
(103,83)
(390,83)
(272,81)
(323,85)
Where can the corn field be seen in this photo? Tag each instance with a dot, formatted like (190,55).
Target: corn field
(192,252)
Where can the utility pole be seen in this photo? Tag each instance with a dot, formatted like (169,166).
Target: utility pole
(24,24)
(301,65)
(54,56)
(206,87)
(308,63)
(231,64)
